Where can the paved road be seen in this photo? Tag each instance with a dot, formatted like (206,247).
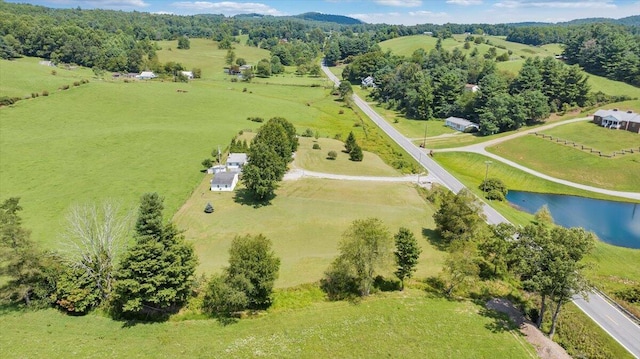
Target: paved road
(609,318)
(604,314)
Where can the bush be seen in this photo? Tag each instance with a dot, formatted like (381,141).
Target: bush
(208,208)
(338,282)
(316,146)
(307,133)
(64,87)
(356,154)
(6,100)
(45,93)
(76,83)
(207,163)
(631,295)
(494,188)
(256,119)
(222,298)
(332,155)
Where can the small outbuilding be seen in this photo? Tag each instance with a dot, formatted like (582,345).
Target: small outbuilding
(461,124)
(146,75)
(224,181)
(368,81)
(216,169)
(236,161)
(187,74)
(471,88)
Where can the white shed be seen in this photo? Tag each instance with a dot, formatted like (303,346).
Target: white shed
(460,124)
(224,181)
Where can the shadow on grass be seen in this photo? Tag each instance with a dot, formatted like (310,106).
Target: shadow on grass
(500,321)
(244,197)
(434,238)
(7,308)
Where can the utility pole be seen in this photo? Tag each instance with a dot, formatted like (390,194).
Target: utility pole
(486,173)
(424,141)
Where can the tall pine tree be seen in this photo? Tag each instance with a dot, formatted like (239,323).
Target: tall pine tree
(156,274)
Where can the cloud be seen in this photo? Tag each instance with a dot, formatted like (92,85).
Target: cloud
(464,2)
(399,3)
(580,4)
(228,7)
(114,3)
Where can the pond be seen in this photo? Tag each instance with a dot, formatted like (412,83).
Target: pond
(617,223)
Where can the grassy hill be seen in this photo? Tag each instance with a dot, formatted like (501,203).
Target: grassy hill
(411,324)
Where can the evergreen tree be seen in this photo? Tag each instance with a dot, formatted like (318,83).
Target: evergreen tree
(350,143)
(156,274)
(356,154)
(407,253)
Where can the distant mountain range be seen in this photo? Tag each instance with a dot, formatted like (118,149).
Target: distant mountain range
(346,20)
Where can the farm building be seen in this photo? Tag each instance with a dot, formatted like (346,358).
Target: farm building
(461,124)
(236,161)
(216,169)
(224,181)
(620,120)
(146,75)
(187,74)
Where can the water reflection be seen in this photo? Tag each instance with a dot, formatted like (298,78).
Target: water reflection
(617,223)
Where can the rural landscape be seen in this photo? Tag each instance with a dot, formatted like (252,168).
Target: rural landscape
(315,186)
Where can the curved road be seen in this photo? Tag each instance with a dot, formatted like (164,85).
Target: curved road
(614,322)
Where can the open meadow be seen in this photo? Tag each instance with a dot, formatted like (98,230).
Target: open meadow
(305,221)
(407,324)
(573,164)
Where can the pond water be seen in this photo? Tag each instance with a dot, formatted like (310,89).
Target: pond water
(617,223)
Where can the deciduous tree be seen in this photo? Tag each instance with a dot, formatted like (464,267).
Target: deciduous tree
(406,254)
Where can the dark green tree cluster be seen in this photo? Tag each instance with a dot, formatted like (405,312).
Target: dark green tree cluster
(248,281)
(353,148)
(29,274)
(268,157)
(156,274)
(459,216)
(494,188)
(184,43)
(606,50)
(238,146)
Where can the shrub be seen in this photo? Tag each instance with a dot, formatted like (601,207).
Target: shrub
(222,298)
(207,163)
(341,112)
(34,95)
(307,133)
(316,146)
(256,119)
(332,155)
(494,188)
(356,154)
(45,93)
(208,208)
(6,100)
(54,72)
(76,83)
(84,81)
(64,87)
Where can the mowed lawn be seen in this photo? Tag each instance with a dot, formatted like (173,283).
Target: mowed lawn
(618,173)
(116,140)
(597,137)
(399,325)
(305,221)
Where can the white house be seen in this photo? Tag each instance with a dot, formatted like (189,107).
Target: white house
(461,124)
(368,81)
(187,74)
(236,161)
(224,181)
(146,75)
(471,88)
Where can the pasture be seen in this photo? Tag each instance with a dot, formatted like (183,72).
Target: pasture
(117,140)
(619,173)
(412,325)
(305,221)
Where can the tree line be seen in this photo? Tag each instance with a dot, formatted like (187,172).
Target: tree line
(430,85)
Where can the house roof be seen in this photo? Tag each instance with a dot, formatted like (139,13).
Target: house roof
(224,178)
(461,121)
(237,158)
(628,116)
(147,74)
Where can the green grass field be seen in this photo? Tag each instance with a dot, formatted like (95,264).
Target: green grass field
(305,221)
(618,173)
(116,140)
(596,137)
(407,324)
(21,77)
(316,160)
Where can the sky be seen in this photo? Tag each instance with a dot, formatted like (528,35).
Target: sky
(406,12)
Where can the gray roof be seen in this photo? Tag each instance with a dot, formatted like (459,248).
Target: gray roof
(237,158)
(619,115)
(461,121)
(224,178)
